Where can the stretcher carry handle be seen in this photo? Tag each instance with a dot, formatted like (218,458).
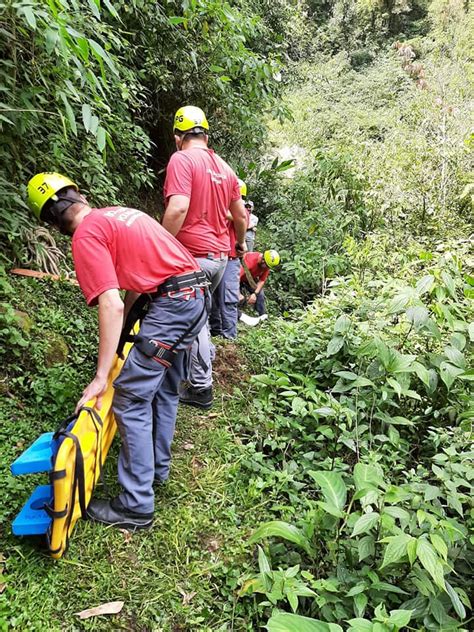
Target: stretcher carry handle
(65,424)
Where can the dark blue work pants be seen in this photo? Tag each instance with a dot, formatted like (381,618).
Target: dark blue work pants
(225,302)
(146,398)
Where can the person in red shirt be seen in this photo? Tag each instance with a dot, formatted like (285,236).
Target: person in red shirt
(254,272)
(121,248)
(225,300)
(200,190)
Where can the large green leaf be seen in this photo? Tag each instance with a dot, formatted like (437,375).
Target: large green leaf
(396,548)
(449,283)
(425,284)
(101,138)
(29,15)
(399,618)
(470,330)
(456,601)
(342,325)
(367,476)
(418,316)
(69,113)
(280,529)
(455,356)
(430,561)
(86,116)
(365,523)
(422,372)
(100,53)
(94,6)
(449,373)
(333,487)
(286,622)
(366,547)
(360,625)
(334,345)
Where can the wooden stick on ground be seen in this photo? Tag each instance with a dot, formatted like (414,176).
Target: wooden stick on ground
(41,275)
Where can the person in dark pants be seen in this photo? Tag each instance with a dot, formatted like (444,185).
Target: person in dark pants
(200,190)
(225,300)
(254,271)
(121,248)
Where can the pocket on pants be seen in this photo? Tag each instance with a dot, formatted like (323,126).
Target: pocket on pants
(140,376)
(231,291)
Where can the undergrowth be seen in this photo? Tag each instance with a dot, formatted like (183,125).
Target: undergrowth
(361,433)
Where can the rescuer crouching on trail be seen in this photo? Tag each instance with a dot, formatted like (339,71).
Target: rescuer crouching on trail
(121,248)
(254,272)
(200,190)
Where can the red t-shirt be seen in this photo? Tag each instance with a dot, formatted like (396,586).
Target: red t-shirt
(210,184)
(122,248)
(259,271)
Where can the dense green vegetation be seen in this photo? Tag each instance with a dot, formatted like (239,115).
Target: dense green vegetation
(333,489)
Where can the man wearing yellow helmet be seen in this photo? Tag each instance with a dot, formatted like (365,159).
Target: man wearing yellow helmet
(254,273)
(200,190)
(121,248)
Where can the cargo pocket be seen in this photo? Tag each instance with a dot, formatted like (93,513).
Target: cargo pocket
(231,291)
(140,377)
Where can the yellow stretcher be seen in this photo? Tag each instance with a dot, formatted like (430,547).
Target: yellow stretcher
(73,456)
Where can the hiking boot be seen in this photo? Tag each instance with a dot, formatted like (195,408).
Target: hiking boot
(113,513)
(202,398)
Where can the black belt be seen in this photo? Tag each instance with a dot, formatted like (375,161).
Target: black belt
(139,308)
(177,283)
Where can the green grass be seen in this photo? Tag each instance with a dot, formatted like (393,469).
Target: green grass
(198,545)
(203,516)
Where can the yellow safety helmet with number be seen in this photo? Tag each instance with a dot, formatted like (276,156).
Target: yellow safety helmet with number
(242,187)
(43,187)
(271,258)
(190,117)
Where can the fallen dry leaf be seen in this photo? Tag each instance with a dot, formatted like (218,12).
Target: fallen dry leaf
(112,607)
(213,415)
(213,545)
(188,446)
(3,586)
(196,466)
(186,596)
(127,535)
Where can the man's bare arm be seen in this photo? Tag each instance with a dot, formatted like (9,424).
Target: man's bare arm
(111,311)
(239,217)
(175,213)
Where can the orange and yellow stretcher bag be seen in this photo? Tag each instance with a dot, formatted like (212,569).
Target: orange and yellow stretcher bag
(73,456)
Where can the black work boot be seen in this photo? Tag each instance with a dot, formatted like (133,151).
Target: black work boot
(113,513)
(202,398)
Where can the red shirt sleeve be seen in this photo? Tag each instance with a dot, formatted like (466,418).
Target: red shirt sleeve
(179,177)
(95,269)
(264,275)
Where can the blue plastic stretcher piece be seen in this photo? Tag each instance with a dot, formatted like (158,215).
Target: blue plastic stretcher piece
(37,458)
(33,519)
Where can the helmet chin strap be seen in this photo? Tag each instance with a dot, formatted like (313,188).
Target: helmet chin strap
(55,214)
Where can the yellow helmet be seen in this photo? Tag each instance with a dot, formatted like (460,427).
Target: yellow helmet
(188,118)
(271,258)
(43,187)
(242,187)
